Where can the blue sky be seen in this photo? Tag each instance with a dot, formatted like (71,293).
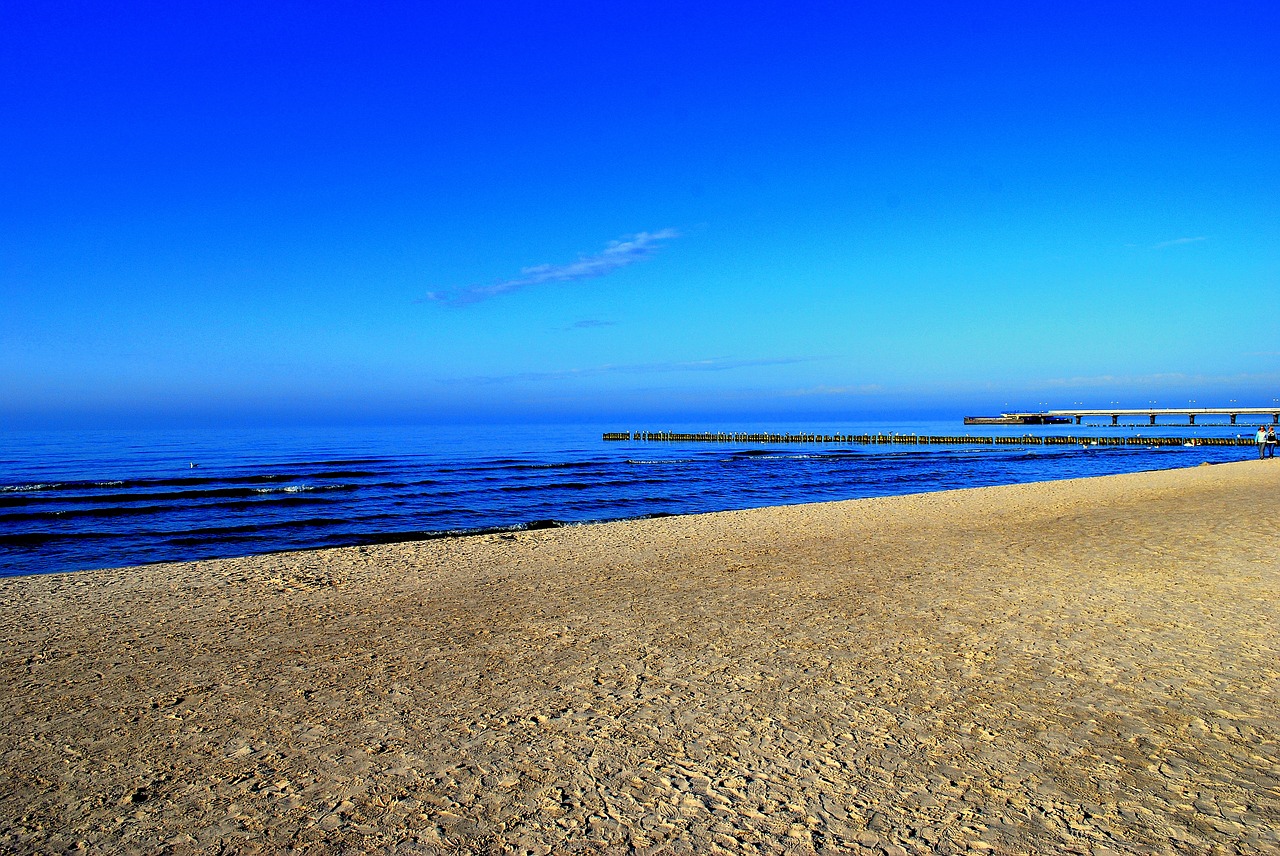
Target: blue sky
(722,212)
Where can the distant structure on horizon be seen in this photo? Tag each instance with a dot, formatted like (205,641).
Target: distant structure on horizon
(1017,419)
(1062,417)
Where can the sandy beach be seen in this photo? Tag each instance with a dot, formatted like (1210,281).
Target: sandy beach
(1085,666)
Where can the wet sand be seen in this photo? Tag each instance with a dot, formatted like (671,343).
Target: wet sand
(1085,666)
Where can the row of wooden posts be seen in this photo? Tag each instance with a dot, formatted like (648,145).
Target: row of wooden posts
(921,439)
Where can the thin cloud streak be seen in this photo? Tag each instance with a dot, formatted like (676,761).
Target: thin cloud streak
(859,389)
(1177,242)
(715,364)
(1158,381)
(1112,380)
(617,255)
(590,324)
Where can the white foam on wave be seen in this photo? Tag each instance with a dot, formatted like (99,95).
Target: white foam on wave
(300,488)
(31,488)
(292,488)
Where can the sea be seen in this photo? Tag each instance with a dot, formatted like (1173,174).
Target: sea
(76,500)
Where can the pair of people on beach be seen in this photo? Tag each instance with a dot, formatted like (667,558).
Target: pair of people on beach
(1266,440)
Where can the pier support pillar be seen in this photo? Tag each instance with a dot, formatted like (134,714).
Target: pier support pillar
(1275,418)
(1233,419)
(1192,418)
(1153,418)
(1115,420)
(1078,418)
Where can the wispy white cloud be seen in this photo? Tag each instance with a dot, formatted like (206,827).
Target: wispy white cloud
(1118,380)
(1177,242)
(590,324)
(858,389)
(1163,381)
(715,364)
(618,254)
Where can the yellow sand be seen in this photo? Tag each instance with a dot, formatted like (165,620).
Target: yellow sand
(1085,666)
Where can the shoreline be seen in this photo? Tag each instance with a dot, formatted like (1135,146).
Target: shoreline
(1084,664)
(534,524)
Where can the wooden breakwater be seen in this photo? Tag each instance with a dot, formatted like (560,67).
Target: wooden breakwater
(918,439)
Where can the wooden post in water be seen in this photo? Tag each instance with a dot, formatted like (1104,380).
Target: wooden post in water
(918,439)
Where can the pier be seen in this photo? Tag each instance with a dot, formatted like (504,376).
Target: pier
(917,439)
(1152,412)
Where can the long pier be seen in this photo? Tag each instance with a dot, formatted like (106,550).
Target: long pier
(917,439)
(1152,412)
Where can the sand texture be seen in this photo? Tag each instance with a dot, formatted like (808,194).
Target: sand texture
(1086,666)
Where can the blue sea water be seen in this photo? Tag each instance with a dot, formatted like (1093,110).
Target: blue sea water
(91,499)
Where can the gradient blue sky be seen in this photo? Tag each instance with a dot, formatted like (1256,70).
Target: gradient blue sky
(618,211)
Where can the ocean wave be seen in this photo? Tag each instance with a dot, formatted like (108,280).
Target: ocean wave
(73,514)
(497,468)
(303,488)
(92,488)
(833,455)
(522,488)
(801,457)
(37,539)
(336,462)
(561,465)
(193,496)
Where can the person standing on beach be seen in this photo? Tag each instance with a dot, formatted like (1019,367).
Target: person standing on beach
(1271,442)
(1261,439)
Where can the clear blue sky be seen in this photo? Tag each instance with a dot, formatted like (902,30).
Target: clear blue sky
(215,212)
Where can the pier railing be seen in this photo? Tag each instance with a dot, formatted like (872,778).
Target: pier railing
(919,439)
